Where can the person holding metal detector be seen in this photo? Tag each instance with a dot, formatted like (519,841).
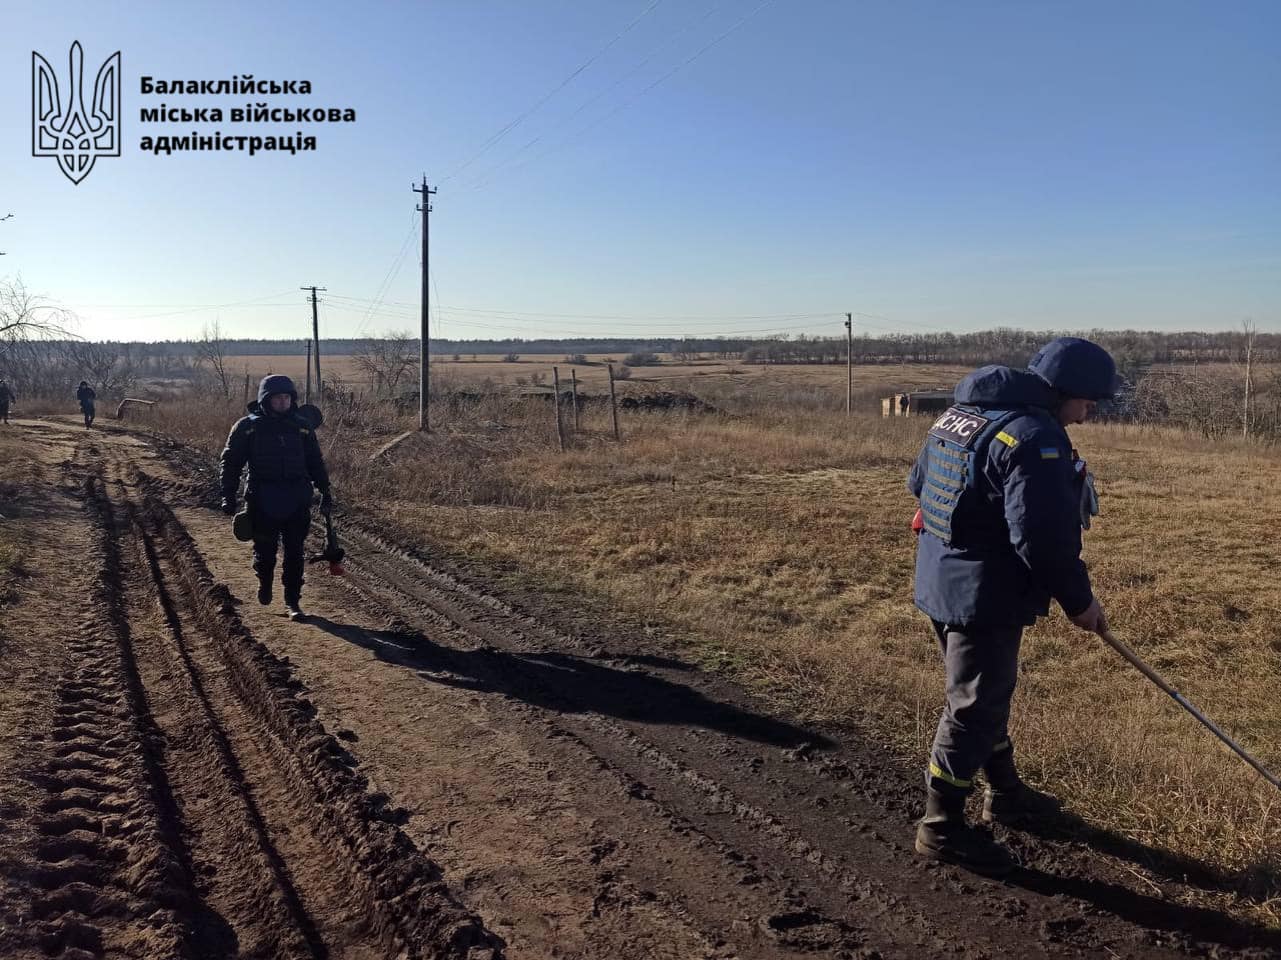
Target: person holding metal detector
(1002,503)
(277,441)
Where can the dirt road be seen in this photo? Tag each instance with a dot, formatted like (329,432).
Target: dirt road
(425,768)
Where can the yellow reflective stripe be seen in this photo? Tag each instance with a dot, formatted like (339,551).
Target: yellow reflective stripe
(936,771)
(1006,439)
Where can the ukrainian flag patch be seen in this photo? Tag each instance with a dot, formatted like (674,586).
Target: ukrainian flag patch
(1049,453)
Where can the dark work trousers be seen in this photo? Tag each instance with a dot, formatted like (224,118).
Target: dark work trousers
(292,531)
(982,667)
(87,410)
(4,412)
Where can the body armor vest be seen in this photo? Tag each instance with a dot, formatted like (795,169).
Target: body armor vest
(955,450)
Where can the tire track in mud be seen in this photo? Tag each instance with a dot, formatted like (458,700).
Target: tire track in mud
(688,858)
(317,798)
(812,893)
(188,803)
(809,825)
(104,875)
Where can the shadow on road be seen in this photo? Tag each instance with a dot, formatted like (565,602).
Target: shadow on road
(573,684)
(1069,828)
(569,684)
(1198,923)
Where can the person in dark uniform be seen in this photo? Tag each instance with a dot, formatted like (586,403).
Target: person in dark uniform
(85,397)
(284,460)
(7,396)
(999,538)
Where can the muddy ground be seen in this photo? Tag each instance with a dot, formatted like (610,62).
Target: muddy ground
(426,768)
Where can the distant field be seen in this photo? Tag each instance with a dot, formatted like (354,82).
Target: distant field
(594,377)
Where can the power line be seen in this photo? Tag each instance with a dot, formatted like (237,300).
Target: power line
(504,323)
(502,132)
(504,319)
(626,103)
(393,271)
(436,290)
(680,317)
(482,179)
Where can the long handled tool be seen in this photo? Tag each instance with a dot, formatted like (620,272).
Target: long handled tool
(333,553)
(1213,727)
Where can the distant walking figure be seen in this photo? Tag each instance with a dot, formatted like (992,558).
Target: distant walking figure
(7,396)
(86,397)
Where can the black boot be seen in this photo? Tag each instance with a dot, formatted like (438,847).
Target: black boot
(1008,800)
(293,596)
(943,834)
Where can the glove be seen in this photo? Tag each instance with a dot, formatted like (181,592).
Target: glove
(229,506)
(1092,618)
(326,502)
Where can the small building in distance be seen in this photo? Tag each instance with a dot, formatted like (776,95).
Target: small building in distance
(916,403)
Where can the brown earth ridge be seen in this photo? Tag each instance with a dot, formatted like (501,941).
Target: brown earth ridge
(431,767)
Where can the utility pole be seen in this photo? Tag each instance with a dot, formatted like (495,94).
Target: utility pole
(315,336)
(308,394)
(849,364)
(613,400)
(425,208)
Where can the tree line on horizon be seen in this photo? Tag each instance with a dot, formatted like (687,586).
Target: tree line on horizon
(1131,348)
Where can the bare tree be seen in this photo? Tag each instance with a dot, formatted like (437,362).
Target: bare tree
(211,350)
(387,361)
(23,314)
(27,323)
(111,366)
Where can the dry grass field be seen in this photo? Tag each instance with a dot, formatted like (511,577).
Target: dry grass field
(776,543)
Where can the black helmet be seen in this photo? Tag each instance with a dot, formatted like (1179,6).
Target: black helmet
(1077,368)
(275,383)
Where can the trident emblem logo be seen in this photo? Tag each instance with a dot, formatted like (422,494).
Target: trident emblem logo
(64,129)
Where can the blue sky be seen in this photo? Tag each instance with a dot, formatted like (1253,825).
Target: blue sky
(929,165)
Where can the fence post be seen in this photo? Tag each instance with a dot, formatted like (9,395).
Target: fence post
(573,380)
(613,400)
(560,427)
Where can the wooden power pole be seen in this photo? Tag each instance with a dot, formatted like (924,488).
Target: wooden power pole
(849,364)
(315,337)
(423,375)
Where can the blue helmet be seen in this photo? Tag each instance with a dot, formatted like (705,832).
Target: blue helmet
(1077,368)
